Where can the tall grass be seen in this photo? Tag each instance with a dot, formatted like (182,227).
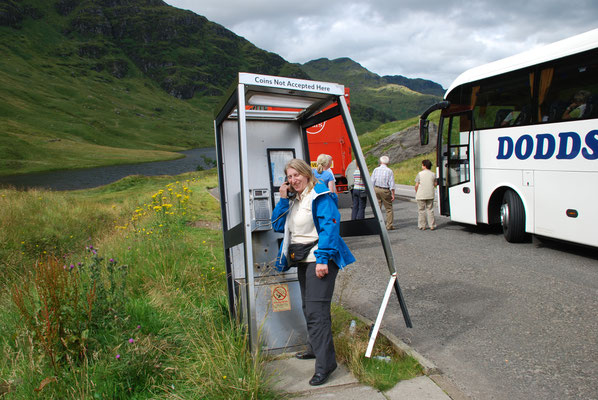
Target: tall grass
(167,335)
(38,223)
(119,292)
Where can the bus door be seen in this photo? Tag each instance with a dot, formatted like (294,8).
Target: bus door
(458,172)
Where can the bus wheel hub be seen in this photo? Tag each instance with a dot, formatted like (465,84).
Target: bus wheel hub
(504,215)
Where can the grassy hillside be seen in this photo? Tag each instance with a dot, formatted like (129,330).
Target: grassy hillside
(59,110)
(53,117)
(89,83)
(392,97)
(404,171)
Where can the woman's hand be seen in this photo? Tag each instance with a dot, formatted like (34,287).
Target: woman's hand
(284,188)
(321,270)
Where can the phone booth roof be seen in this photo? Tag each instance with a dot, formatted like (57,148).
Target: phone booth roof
(275,97)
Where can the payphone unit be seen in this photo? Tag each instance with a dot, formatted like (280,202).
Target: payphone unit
(260,126)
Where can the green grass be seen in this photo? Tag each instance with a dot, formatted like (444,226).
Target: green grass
(171,329)
(370,139)
(351,347)
(158,324)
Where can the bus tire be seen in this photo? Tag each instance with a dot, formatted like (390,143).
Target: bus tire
(512,218)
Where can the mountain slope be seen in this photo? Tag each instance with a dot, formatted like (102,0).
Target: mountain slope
(395,97)
(97,82)
(82,80)
(182,51)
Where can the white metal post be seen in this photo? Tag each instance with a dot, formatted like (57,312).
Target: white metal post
(374,332)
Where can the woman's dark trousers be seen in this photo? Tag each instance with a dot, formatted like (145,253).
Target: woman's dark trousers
(316,297)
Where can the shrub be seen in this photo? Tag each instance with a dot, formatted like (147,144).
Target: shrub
(57,310)
(64,303)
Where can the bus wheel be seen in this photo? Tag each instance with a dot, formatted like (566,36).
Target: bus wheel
(512,218)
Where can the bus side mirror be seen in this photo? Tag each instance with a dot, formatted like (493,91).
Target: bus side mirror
(424,132)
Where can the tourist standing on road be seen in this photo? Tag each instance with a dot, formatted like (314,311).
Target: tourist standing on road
(425,182)
(384,185)
(313,244)
(323,172)
(359,195)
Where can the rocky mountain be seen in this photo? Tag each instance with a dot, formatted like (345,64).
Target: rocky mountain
(392,97)
(183,52)
(81,77)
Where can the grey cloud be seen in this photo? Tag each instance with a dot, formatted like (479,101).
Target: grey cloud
(414,38)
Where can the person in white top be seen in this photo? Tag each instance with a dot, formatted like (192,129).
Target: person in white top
(425,182)
(312,243)
(383,180)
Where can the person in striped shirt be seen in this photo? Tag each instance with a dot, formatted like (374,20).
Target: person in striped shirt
(360,197)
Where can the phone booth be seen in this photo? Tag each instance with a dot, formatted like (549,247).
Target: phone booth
(260,126)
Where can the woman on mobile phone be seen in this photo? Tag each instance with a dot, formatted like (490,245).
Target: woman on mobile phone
(313,244)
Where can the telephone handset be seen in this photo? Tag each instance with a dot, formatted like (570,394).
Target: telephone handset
(291,193)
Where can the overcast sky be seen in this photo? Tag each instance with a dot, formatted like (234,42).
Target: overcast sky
(434,40)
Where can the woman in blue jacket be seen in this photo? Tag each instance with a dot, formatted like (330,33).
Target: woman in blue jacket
(312,243)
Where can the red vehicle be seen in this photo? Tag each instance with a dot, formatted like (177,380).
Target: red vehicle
(330,137)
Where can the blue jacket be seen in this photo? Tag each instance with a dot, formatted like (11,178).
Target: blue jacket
(327,221)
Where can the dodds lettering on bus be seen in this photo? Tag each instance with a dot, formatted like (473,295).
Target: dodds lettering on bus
(545,146)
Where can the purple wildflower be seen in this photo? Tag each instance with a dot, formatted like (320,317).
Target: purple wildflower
(118,356)
(131,340)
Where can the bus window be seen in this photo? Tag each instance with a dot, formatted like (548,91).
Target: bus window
(503,101)
(571,87)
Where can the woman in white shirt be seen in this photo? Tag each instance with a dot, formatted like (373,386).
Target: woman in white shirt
(312,243)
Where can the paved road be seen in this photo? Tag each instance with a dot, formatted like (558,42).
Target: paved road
(503,321)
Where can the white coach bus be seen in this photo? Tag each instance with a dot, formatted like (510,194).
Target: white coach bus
(518,143)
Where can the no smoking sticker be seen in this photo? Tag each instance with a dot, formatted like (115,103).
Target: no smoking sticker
(280,297)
